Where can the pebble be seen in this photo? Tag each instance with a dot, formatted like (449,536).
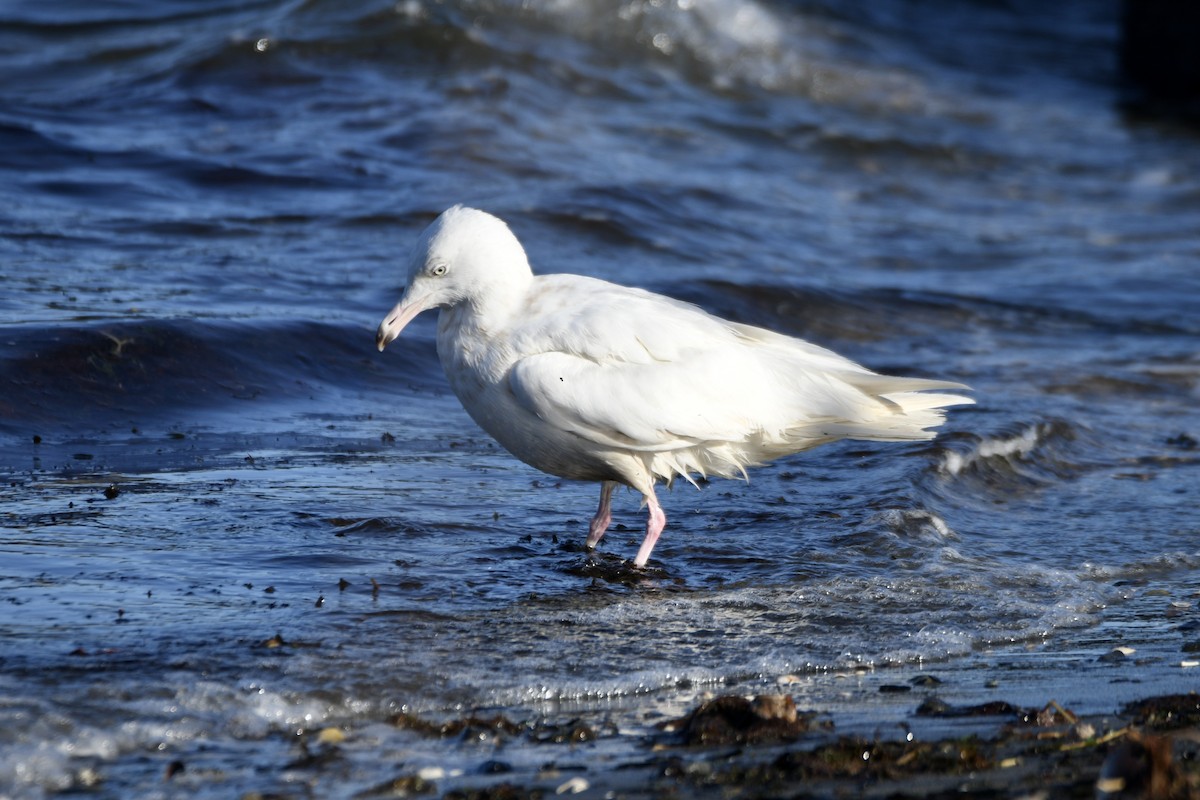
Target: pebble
(775,706)
(331,736)
(925,680)
(573,786)
(1117,654)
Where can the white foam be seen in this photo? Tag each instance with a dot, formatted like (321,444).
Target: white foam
(1019,446)
(933,642)
(738,42)
(50,751)
(918,523)
(761,633)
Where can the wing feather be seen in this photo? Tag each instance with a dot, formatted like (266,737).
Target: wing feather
(630,370)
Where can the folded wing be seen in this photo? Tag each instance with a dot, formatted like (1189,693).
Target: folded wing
(695,393)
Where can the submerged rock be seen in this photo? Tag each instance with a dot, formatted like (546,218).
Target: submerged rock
(731,719)
(935,707)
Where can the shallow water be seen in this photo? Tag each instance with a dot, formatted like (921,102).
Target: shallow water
(208,205)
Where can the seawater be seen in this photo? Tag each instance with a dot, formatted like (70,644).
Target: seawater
(229,523)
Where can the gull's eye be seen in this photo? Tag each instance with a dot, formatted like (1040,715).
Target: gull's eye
(438,270)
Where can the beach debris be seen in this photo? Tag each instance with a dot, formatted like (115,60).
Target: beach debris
(1166,712)
(476,728)
(732,719)
(775,707)
(856,758)
(1043,752)
(1092,741)
(1143,766)
(572,732)
(1054,714)
(469,728)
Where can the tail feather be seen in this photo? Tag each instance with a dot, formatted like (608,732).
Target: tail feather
(905,409)
(884,409)
(886,385)
(909,409)
(910,402)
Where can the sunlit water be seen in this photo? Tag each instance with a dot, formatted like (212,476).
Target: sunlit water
(207,206)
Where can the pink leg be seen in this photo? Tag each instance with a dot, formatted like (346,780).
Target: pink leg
(656,520)
(603,516)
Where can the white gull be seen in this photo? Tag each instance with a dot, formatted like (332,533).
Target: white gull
(592,381)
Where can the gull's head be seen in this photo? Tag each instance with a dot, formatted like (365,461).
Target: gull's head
(464,256)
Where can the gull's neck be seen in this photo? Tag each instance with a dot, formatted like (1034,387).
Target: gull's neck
(491,310)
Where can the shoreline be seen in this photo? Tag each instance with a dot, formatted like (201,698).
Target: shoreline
(734,746)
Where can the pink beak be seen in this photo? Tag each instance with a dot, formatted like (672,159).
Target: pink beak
(398,317)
